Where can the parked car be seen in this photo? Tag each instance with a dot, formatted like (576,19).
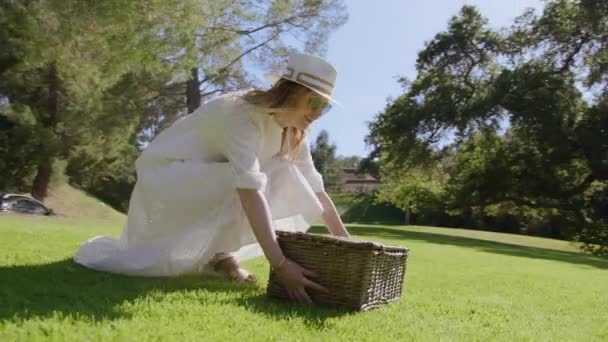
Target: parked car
(23,204)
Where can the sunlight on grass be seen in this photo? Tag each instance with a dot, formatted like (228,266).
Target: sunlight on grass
(460,285)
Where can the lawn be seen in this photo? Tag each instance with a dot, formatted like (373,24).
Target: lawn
(460,285)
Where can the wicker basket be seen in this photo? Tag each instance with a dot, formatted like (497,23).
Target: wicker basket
(359,275)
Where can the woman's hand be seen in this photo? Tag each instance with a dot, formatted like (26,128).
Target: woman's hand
(295,279)
(291,275)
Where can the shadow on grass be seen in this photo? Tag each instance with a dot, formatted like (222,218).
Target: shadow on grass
(314,317)
(69,289)
(483,245)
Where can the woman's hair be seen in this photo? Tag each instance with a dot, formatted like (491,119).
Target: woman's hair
(277,97)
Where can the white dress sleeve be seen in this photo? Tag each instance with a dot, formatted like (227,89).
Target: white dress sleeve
(307,167)
(241,138)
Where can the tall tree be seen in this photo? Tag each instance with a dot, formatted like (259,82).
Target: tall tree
(258,32)
(324,157)
(62,63)
(473,83)
(62,55)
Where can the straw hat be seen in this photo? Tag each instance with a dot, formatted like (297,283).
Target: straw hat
(311,72)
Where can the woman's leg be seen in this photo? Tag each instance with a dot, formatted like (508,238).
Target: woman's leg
(218,258)
(227,264)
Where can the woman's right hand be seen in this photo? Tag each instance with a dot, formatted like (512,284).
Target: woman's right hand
(295,279)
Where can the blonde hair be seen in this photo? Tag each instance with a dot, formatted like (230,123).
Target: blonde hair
(277,97)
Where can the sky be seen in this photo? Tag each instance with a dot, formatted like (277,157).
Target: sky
(379,43)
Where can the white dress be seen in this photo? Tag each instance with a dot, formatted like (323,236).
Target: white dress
(184,208)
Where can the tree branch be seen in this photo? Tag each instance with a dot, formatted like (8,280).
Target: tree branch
(212,92)
(570,59)
(247,32)
(225,68)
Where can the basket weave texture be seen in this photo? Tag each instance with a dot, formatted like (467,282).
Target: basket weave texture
(359,275)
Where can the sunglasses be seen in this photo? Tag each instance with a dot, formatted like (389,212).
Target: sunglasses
(316,102)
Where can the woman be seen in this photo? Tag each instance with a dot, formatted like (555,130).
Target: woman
(212,188)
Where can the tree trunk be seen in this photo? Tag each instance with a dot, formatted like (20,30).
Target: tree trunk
(43,177)
(193,94)
(45,166)
(408,213)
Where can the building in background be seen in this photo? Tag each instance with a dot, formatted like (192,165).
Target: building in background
(350,181)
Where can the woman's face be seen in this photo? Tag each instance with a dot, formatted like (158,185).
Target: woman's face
(302,109)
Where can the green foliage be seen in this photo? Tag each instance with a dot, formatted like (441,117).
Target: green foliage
(365,208)
(525,142)
(348,161)
(413,188)
(64,57)
(89,82)
(342,200)
(478,172)
(594,233)
(324,157)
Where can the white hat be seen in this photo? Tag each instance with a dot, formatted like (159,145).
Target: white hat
(311,72)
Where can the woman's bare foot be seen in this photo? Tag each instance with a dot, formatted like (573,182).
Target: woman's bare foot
(231,269)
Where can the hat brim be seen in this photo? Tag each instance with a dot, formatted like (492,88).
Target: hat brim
(274,78)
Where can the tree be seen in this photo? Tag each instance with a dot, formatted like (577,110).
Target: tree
(60,57)
(251,31)
(472,83)
(324,157)
(414,190)
(348,162)
(92,81)
(450,95)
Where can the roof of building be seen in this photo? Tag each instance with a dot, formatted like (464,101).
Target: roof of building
(362,181)
(349,175)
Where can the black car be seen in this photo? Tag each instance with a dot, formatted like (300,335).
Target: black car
(23,204)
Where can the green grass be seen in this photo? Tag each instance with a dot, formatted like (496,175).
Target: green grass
(460,285)
(342,201)
(69,202)
(361,208)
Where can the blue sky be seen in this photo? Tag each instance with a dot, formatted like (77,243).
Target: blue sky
(379,42)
